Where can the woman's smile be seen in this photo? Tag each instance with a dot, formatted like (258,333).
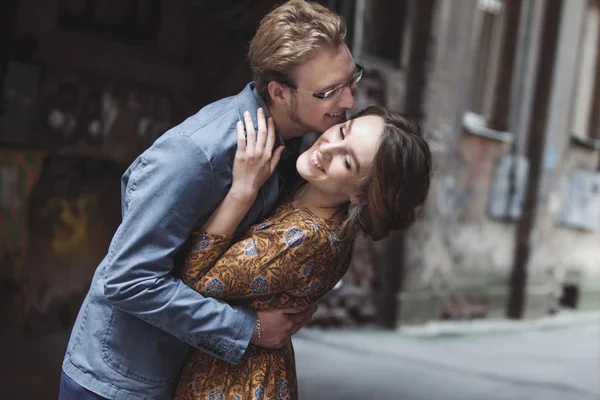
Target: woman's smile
(314,158)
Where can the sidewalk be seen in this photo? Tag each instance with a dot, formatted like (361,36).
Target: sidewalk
(481,327)
(558,356)
(564,319)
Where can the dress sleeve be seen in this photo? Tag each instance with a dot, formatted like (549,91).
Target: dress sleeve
(320,271)
(206,248)
(269,261)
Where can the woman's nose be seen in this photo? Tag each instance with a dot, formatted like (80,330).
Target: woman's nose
(328,150)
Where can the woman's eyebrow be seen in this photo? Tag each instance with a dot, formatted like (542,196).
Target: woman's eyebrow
(350,123)
(348,132)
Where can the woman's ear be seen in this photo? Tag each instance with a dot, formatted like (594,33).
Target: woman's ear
(277,92)
(357,199)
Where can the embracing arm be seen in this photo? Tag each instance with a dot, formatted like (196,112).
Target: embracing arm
(287,257)
(167,192)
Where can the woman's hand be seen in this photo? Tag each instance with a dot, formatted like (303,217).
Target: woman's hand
(254,162)
(255,159)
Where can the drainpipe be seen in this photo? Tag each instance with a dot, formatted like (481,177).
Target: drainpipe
(502,91)
(535,144)
(422,13)
(394,254)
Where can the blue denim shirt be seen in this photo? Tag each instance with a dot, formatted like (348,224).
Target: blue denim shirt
(137,321)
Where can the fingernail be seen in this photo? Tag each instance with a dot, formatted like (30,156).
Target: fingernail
(260,110)
(247,113)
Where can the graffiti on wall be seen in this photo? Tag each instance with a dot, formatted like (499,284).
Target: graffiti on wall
(89,115)
(19,171)
(67,211)
(74,209)
(69,220)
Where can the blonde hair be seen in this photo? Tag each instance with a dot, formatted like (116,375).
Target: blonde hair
(288,36)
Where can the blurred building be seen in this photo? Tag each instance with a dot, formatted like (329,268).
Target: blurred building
(86,87)
(506,91)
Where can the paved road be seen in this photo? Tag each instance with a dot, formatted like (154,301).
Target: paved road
(555,364)
(550,364)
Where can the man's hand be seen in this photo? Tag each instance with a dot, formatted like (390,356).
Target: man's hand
(277,326)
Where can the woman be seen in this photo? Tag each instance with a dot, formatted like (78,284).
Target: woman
(370,174)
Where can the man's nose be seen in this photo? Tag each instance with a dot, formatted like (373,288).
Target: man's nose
(346,99)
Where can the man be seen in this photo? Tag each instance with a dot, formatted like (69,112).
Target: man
(138,320)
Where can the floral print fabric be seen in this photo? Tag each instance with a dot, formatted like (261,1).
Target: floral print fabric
(290,261)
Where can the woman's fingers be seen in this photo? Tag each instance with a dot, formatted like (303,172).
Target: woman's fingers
(260,143)
(270,137)
(250,134)
(261,135)
(241,137)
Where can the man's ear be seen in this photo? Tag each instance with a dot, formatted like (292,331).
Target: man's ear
(277,91)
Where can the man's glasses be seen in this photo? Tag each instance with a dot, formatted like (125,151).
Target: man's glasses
(330,94)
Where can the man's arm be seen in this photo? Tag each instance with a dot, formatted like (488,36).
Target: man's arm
(165,196)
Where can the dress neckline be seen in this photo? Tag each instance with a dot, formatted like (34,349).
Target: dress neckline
(287,206)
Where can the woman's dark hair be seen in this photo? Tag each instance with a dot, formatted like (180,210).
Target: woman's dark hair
(399,180)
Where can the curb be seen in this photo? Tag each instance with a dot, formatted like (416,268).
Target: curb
(562,320)
(461,329)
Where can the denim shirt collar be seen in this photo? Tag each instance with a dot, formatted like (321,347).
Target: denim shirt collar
(250,100)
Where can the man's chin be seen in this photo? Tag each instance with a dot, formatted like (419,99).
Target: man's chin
(327,122)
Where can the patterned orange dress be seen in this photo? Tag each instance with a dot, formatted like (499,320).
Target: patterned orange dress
(291,260)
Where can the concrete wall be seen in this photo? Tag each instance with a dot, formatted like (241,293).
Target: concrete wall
(455,249)
(457,252)
(458,242)
(568,254)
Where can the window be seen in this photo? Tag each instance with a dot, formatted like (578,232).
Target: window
(585,122)
(375,27)
(488,35)
(383,29)
(135,22)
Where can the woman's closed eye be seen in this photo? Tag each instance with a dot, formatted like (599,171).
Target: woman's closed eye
(347,163)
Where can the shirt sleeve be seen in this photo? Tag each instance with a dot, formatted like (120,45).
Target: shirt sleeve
(270,261)
(166,194)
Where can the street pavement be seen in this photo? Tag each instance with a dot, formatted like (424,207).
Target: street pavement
(557,359)
(553,359)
